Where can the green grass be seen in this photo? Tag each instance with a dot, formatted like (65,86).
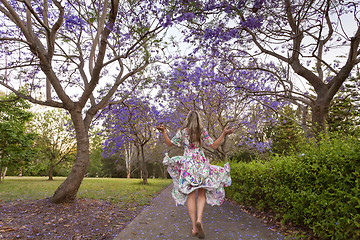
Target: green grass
(117,190)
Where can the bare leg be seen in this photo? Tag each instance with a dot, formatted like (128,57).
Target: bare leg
(191,202)
(201,201)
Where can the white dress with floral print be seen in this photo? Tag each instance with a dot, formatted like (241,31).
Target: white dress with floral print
(193,170)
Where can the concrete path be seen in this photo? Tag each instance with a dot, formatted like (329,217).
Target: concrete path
(164,220)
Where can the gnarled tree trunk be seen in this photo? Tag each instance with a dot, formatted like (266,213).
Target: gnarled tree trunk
(320,111)
(68,189)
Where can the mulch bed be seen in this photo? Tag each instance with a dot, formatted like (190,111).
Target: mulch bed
(83,219)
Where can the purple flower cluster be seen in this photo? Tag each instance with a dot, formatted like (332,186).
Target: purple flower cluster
(252,22)
(223,95)
(133,122)
(73,22)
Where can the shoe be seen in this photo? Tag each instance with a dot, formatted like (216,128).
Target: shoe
(201,233)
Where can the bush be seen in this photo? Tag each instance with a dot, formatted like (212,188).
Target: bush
(243,156)
(318,188)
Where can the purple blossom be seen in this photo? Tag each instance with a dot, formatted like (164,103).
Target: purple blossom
(252,22)
(241,4)
(73,21)
(186,16)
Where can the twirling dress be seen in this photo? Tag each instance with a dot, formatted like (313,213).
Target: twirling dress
(193,170)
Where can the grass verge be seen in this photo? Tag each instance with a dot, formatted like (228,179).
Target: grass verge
(117,190)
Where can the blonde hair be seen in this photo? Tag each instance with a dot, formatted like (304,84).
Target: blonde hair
(194,126)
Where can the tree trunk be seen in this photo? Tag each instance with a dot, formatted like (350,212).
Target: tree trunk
(304,125)
(67,191)
(4,174)
(51,172)
(164,171)
(128,157)
(128,171)
(144,170)
(320,110)
(0,172)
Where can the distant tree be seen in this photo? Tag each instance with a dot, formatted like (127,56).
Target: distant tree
(344,112)
(155,155)
(55,138)
(285,133)
(199,84)
(131,123)
(16,144)
(113,166)
(129,155)
(96,149)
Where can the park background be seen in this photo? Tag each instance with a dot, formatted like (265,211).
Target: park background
(286,80)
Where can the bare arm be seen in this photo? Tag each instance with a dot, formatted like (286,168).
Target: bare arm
(162,129)
(218,141)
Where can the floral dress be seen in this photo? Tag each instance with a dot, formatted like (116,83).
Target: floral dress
(193,170)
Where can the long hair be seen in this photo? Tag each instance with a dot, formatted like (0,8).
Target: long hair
(194,126)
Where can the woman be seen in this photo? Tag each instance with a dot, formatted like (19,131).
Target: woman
(193,171)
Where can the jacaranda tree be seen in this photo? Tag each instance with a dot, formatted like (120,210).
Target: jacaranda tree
(80,52)
(314,38)
(132,122)
(204,85)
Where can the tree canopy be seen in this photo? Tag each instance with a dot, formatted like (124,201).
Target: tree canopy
(15,141)
(247,60)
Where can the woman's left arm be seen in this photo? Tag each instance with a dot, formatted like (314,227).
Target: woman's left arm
(218,141)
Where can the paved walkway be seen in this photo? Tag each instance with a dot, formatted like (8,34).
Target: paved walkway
(163,220)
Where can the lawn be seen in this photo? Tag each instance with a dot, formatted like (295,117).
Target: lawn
(117,190)
(103,208)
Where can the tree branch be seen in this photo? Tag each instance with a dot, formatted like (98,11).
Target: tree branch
(96,39)
(95,74)
(33,100)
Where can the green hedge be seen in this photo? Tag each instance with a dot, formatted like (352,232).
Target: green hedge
(317,187)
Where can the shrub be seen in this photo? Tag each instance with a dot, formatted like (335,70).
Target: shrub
(318,188)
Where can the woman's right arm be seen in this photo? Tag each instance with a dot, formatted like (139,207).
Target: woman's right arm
(162,129)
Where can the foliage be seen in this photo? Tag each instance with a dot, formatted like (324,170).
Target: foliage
(243,156)
(95,165)
(344,111)
(55,139)
(15,142)
(284,38)
(130,124)
(317,186)
(96,149)
(133,121)
(126,191)
(113,166)
(285,133)
(207,85)
(63,169)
